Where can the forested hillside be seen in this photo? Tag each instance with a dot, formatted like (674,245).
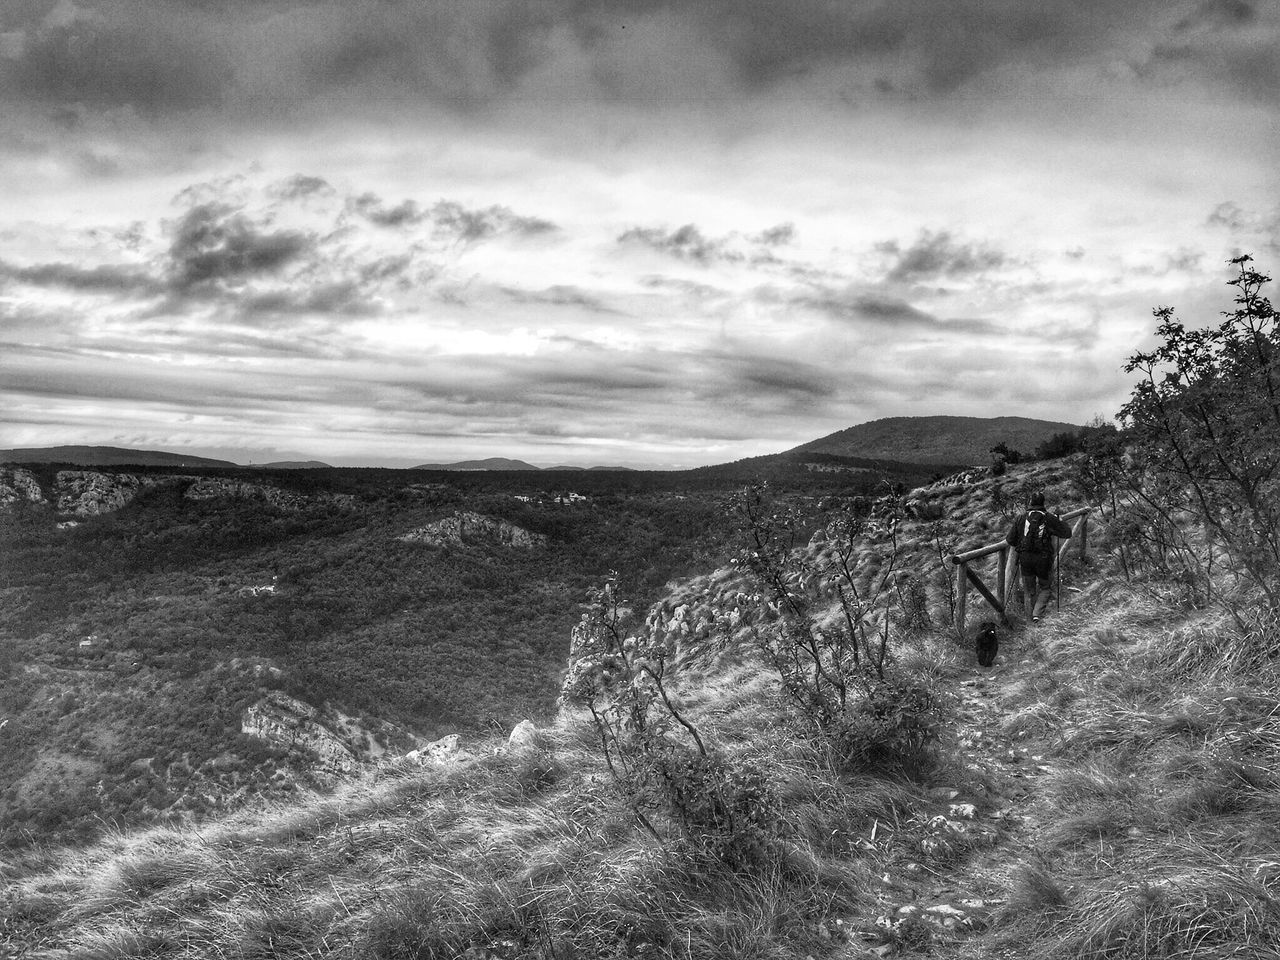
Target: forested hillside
(143,612)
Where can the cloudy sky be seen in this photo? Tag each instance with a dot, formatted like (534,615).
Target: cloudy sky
(608,231)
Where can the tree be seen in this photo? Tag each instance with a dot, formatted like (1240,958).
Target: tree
(1203,432)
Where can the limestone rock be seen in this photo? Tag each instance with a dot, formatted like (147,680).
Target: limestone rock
(466,525)
(292,724)
(88,493)
(445,750)
(18,484)
(523,735)
(219,488)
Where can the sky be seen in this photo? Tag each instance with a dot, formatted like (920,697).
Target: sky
(651,234)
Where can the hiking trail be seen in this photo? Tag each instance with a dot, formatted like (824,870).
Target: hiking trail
(947,873)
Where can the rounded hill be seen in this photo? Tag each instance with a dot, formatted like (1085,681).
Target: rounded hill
(942,440)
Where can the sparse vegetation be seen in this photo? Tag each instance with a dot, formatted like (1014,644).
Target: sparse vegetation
(1108,791)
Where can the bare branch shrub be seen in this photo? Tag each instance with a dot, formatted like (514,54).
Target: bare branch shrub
(656,755)
(829,639)
(1201,469)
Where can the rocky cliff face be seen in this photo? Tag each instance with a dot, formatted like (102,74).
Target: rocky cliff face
(87,493)
(293,725)
(18,484)
(465,525)
(215,488)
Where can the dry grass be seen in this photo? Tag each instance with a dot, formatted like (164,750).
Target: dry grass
(525,853)
(1160,820)
(1155,834)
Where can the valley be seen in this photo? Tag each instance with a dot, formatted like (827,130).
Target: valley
(150,619)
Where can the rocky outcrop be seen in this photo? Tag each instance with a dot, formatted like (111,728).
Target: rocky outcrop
(87,493)
(225,488)
(18,485)
(217,488)
(445,751)
(466,526)
(293,725)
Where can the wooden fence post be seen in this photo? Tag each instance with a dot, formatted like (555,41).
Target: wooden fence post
(1002,579)
(1011,574)
(962,589)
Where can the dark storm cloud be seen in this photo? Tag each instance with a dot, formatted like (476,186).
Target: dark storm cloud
(1219,13)
(108,278)
(875,310)
(341,297)
(300,185)
(1225,40)
(271,55)
(937,255)
(120,53)
(214,242)
(585,382)
(784,378)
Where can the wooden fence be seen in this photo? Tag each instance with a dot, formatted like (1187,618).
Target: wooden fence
(1007,568)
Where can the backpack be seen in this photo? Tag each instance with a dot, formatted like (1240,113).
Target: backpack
(1035,549)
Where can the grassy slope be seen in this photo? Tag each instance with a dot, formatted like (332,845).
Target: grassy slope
(937,439)
(1120,760)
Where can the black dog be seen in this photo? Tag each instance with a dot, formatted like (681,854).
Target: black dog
(988,642)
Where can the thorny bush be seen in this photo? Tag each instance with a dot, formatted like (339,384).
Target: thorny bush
(836,672)
(1194,481)
(657,757)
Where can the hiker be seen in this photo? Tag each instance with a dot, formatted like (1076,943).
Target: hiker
(1032,535)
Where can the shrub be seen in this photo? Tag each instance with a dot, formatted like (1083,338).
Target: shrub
(1203,431)
(835,672)
(657,758)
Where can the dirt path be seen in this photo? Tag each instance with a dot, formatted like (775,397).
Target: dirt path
(950,869)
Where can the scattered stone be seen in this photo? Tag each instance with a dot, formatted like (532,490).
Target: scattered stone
(965,811)
(943,793)
(522,735)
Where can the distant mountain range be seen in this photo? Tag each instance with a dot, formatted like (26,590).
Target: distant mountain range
(502,463)
(492,463)
(941,440)
(107,457)
(293,465)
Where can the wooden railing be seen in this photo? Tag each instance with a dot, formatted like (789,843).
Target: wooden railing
(1007,568)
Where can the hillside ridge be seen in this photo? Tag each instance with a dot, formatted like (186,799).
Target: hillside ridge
(936,439)
(98,456)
